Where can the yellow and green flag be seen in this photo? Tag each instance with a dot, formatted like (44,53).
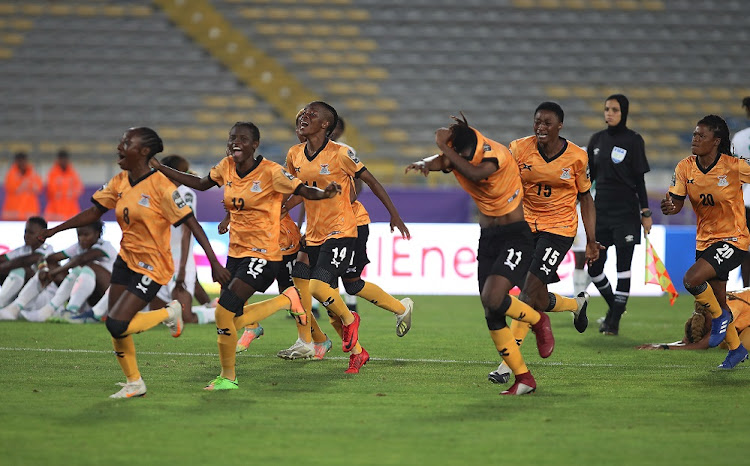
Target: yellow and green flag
(657,273)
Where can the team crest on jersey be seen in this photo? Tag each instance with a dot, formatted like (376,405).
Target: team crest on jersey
(287,174)
(351,155)
(256,187)
(324,169)
(565,174)
(145,200)
(618,154)
(179,202)
(723,180)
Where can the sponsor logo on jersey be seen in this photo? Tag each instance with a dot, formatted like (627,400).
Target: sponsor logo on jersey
(324,169)
(618,154)
(145,200)
(629,238)
(723,180)
(351,155)
(256,187)
(526,167)
(515,195)
(690,181)
(486,147)
(596,151)
(178,201)
(565,174)
(189,198)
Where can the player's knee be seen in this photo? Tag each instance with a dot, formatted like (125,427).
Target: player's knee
(354,287)
(692,288)
(495,316)
(301,270)
(116,327)
(325,276)
(231,302)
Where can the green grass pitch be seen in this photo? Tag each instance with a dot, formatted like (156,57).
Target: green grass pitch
(422,399)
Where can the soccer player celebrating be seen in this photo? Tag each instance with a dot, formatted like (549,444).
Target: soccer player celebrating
(712,179)
(146,204)
(331,231)
(254,188)
(487,171)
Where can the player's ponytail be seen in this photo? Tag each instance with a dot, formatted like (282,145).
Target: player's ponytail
(695,327)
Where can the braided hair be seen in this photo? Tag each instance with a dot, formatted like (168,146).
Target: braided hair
(695,327)
(462,136)
(150,139)
(720,129)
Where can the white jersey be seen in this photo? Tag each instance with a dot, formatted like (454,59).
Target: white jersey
(107,261)
(741,145)
(45,250)
(188,195)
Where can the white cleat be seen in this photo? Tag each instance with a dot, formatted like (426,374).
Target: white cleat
(131,389)
(299,350)
(10,312)
(40,315)
(403,321)
(501,375)
(174,320)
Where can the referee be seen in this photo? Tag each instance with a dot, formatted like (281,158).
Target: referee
(617,159)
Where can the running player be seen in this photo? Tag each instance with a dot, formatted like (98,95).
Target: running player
(712,179)
(253,191)
(145,204)
(487,171)
(331,226)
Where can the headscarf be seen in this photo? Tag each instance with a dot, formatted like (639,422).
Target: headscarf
(624,105)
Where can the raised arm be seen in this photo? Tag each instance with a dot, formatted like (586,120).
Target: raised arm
(380,192)
(191,181)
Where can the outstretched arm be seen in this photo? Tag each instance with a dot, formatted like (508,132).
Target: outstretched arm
(85,217)
(191,181)
(433,163)
(380,192)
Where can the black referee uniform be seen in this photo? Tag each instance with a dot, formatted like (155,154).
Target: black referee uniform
(617,159)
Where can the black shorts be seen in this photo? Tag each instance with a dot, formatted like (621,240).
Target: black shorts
(619,235)
(256,272)
(137,283)
(334,255)
(505,251)
(723,257)
(359,259)
(284,278)
(549,251)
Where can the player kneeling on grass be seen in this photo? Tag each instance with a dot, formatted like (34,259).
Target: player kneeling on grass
(487,171)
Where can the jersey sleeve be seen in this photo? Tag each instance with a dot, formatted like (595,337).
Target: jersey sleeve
(640,162)
(744,167)
(188,195)
(173,207)
(583,174)
(106,196)
(217,172)
(283,181)
(351,163)
(678,188)
(72,250)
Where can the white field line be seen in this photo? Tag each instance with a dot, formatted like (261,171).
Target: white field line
(416,360)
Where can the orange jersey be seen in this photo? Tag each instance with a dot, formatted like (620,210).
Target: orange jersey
(253,201)
(21,194)
(145,211)
(551,185)
(716,195)
(63,190)
(327,218)
(740,308)
(501,192)
(360,214)
(289,236)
